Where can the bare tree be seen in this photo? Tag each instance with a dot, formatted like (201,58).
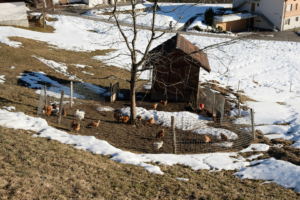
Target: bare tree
(143,60)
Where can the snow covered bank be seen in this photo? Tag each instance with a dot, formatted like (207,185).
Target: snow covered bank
(280,172)
(2,79)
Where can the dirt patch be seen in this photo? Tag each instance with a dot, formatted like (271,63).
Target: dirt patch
(281,103)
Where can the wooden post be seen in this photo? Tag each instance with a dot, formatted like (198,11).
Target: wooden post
(45,94)
(174,134)
(71,94)
(253,78)
(252,122)
(238,86)
(60,106)
(110,90)
(213,105)
(239,106)
(291,87)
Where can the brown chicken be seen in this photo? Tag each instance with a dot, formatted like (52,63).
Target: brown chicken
(224,137)
(48,111)
(95,124)
(150,121)
(160,134)
(207,139)
(117,117)
(139,118)
(153,107)
(125,119)
(75,126)
(164,102)
(64,112)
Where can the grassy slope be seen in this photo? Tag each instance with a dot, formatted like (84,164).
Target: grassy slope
(39,168)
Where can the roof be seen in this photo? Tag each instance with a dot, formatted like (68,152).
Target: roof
(178,42)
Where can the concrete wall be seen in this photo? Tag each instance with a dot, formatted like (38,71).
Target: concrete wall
(259,23)
(273,12)
(13,14)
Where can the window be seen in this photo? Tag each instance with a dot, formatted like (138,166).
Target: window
(287,22)
(296,7)
(289,7)
(297,19)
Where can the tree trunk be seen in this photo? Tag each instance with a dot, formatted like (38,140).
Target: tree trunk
(132,101)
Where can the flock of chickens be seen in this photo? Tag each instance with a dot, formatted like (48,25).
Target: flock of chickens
(54,110)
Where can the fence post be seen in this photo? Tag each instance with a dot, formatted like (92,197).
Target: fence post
(174,134)
(291,87)
(213,105)
(60,106)
(110,91)
(71,94)
(239,105)
(45,94)
(238,86)
(252,122)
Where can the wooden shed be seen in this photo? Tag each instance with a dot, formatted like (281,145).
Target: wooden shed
(176,69)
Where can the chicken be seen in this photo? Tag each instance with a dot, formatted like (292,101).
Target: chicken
(214,118)
(75,126)
(117,117)
(160,134)
(95,124)
(153,107)
(164,102)
(207,139)
(80,114)
(48,111)
(125,119)
(45,108)
(139,118)
(54,106)
(224,137)
(150,121)
(157,145)
(64,112)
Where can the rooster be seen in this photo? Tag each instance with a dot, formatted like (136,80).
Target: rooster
(139,118)
(207,139)
(95,124)
(153,107)
(164,102)
(80,114)
(150,121)
(48,111)
(125,119)
(160,134)
(64,112)
(224,137)
(75,126)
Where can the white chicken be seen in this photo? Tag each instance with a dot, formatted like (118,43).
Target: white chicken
(158,145)
(80,114)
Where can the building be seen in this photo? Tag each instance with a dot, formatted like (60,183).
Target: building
(276,15)
(13,13)
(175,74)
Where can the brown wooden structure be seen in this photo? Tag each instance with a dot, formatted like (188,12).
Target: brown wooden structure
(176,69)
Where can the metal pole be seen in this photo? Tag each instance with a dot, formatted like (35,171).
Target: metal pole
(110,90)
(71,94)
(45,94)
(239,106)
(174,134)
(252,122)
(60,106)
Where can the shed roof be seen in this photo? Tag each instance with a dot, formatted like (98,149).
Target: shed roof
(178,42)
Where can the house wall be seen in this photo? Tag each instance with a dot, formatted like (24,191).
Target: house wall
(173,75)
(259,23)
(234,26)
(292,15)
(13,14)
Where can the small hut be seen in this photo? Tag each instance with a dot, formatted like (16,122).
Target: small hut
(175,74)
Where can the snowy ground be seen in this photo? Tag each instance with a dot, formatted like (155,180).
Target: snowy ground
(178,13)
(280,172)
(273,64)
